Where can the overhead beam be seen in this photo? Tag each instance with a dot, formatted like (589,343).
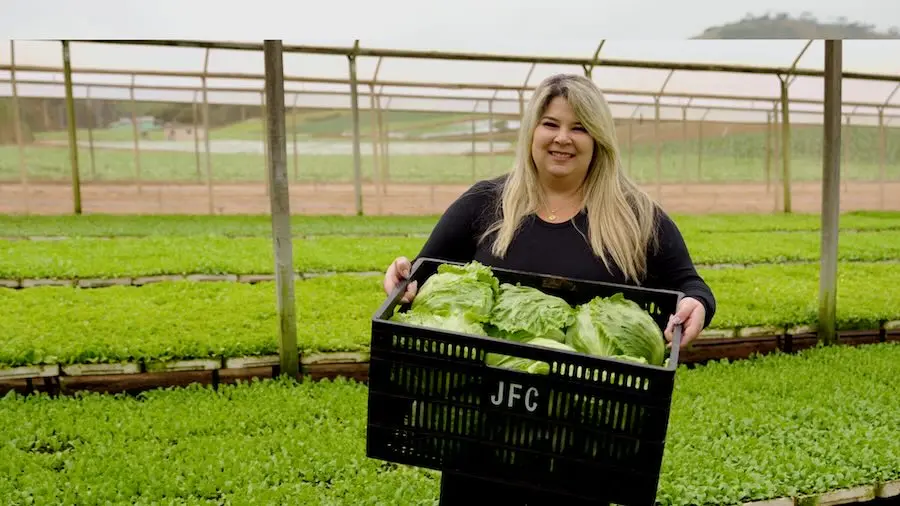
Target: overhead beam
(552,60)
(398,84)
(256,91)
(465,98)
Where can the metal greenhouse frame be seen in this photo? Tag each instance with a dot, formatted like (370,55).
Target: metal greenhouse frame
(501,99)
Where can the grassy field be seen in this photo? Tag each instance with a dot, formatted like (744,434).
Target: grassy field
(861,142)
(308,123)
(719,138)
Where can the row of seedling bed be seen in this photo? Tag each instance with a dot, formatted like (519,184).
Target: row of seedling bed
(165,278)
(146,374)
(94,259)
(734,344)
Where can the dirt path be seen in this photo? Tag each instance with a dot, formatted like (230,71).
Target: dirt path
(407,199)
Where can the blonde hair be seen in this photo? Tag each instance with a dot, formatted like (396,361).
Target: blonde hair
(620,214)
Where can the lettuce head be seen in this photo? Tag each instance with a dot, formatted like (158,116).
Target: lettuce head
(468,290)
(617,327)
(523,312)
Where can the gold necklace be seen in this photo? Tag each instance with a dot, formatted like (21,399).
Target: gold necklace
(552,216)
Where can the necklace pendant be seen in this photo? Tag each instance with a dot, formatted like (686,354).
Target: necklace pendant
(551,217)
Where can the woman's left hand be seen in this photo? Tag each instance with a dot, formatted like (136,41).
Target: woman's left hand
(692,314)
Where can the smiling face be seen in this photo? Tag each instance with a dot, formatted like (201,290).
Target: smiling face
(561,148)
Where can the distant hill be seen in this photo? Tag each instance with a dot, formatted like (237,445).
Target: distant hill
(783,26)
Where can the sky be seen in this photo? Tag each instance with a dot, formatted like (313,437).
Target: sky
(634,29)
(502,25)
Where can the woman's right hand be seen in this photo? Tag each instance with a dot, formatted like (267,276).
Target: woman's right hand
(397,272)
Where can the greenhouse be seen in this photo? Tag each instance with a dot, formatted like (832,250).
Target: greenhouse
(194,237)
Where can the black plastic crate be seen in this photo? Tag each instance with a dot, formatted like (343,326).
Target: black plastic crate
(592,431)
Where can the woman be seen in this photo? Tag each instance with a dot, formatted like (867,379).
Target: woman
(567,209)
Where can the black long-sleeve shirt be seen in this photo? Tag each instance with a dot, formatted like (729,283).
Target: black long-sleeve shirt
(559,249)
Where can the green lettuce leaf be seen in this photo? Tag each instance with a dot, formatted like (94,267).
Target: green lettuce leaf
(469,290)
(455,322)
(526,364)
(584,336)
(523,312)
(616,326)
